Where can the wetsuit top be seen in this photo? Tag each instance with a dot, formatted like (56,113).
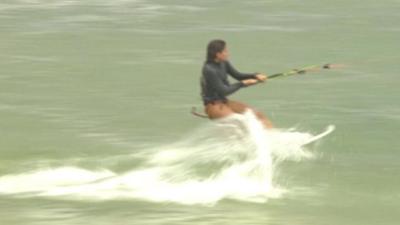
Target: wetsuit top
(214,81)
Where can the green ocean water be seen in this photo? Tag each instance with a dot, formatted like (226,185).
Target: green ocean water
(86,86)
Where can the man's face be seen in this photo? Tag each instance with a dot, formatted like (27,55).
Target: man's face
(223,56)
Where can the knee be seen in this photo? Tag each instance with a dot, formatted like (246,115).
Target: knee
(258,114)
(237,107)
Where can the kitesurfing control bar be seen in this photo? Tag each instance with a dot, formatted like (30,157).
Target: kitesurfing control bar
(301,71)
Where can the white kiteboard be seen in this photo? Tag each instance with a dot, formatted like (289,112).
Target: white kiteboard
(327,131)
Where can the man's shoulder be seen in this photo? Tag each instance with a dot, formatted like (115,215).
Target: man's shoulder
(208,68)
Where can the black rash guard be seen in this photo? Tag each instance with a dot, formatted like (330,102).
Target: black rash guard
(214,82)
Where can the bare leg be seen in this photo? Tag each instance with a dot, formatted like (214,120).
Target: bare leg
(267,123)
(239,107)
(218,110)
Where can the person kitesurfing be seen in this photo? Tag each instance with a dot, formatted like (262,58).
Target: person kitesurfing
(215,86)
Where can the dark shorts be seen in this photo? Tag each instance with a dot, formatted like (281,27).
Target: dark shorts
(214,101)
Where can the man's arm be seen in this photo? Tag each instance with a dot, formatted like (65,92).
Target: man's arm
(238,75)
(218,85)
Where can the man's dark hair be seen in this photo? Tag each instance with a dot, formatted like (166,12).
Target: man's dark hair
(214,47)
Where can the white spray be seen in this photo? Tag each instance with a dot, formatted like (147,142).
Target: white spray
(233,158)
